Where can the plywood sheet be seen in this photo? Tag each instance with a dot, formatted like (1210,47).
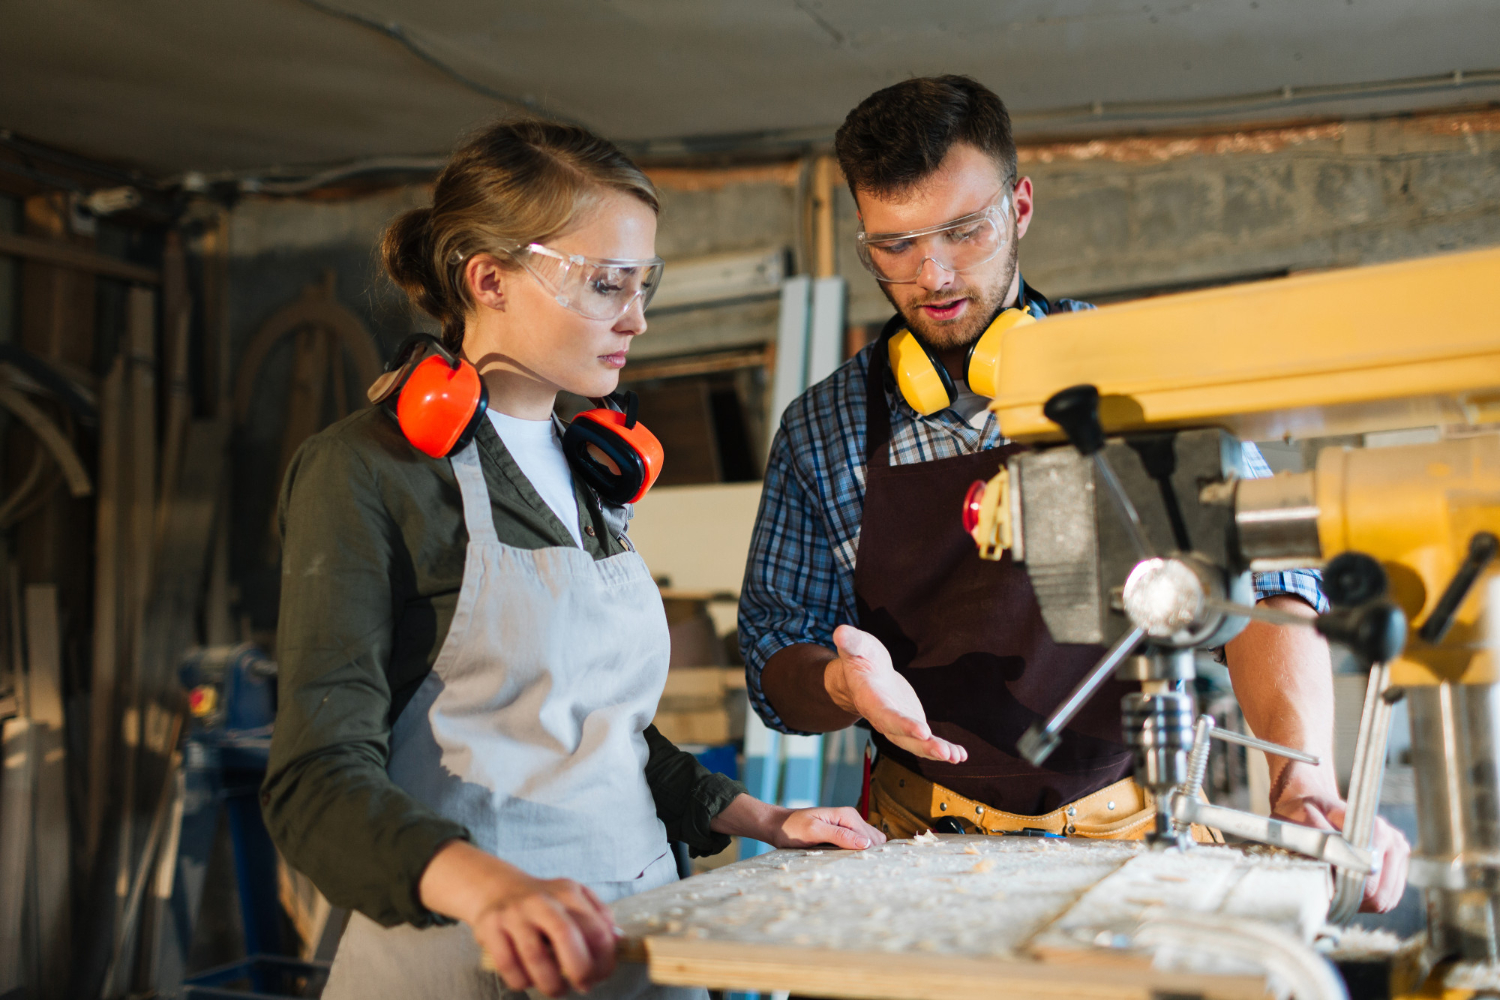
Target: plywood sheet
(977,896)
(918,919)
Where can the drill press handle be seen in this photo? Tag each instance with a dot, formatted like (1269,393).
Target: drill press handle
(1076,411)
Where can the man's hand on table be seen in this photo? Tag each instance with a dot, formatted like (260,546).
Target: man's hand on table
(1300,796)
(862,682)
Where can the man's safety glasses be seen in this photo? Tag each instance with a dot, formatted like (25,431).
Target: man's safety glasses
(596,287)
(956,245)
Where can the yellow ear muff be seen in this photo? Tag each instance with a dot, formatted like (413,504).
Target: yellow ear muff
(922,379)
(983,367)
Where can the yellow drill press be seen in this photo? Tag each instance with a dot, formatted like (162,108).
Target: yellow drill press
(1153,398)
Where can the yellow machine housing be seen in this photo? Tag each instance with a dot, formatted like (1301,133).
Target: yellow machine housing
(1411,344)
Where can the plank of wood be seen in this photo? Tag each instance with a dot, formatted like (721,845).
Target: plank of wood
(1289,893)
(706,727)
(877,976)
(979,896)
(103,732)
(52,850)
(60,254)
(177,316)
(17,781)
(138,519)
(891,922)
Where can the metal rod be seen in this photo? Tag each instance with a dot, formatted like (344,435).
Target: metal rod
(1133,526)
(1038,742)
(1229,736)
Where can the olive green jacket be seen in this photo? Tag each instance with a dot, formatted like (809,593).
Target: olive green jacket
(372,561)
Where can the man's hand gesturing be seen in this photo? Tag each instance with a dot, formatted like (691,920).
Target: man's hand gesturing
(862,681)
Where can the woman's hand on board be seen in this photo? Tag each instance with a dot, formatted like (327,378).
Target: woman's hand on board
(840,826)
(544,933)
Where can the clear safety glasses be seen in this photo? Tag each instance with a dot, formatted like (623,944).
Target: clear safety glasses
(956,245)
(596,287)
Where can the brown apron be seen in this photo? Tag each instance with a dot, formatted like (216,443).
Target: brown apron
(969,637)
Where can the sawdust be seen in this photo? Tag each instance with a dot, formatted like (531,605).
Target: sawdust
(941,890)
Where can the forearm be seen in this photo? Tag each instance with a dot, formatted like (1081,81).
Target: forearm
(462,881)
(804,691)
(339,819)
(1283,678)
(748,816)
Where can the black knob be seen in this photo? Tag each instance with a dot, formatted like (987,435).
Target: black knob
(1352,579)
(1374,633)
(1482,548)
(1076,411)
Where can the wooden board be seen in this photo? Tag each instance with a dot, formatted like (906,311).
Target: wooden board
(17,773)
(52,850)
(919,920)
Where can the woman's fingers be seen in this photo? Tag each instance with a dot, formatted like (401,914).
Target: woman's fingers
(536,957)
(596,927)
(572,953)
(502,958)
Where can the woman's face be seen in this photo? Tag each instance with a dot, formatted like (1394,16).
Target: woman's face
(521,328)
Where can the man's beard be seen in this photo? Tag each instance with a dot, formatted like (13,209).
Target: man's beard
(986,305)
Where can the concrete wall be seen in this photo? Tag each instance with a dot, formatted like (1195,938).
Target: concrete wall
(1119,215)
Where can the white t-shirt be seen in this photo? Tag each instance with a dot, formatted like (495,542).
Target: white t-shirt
(972,407)
(535,446)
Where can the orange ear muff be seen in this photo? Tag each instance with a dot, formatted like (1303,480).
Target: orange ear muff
(440,405)
(614,453)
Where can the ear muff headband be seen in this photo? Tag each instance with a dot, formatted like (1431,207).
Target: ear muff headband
(632,456)
(924,380)
(442,398)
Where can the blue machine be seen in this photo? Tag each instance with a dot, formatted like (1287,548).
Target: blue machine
(232,699)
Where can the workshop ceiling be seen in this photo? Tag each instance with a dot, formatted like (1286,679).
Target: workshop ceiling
(174,85)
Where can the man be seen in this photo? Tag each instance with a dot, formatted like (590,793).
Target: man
(864,599)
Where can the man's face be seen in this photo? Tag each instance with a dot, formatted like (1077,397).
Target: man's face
(950,309)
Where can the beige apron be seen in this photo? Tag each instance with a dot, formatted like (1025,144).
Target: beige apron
(528,731)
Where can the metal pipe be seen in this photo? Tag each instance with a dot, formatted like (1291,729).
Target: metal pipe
(1038,742)
(1229,736)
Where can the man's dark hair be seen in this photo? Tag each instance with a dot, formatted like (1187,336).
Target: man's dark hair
(899,135)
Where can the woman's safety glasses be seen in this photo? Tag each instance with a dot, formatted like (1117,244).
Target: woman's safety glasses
(956,245)
(595,287)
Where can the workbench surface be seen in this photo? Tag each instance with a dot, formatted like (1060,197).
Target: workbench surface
(920,919)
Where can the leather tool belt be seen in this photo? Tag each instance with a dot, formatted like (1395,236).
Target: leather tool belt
(903,804)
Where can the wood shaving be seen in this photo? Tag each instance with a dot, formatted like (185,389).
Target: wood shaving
(971,849)
(984,865)
(926,837)
(1165,877)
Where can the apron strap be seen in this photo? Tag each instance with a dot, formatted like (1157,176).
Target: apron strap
(479,516)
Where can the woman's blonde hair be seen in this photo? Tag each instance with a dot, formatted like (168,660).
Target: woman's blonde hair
(513,183)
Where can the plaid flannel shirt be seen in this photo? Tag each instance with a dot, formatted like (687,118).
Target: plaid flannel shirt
(799,579)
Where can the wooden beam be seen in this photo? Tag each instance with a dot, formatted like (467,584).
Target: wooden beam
(17,776)
(825,173)
(75,258)
(52,850)
(109,537)
(736,965)
(702,364)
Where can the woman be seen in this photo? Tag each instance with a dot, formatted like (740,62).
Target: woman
(470,651)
